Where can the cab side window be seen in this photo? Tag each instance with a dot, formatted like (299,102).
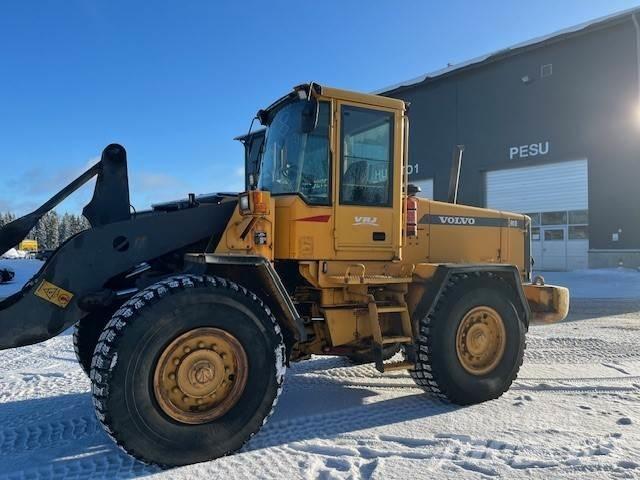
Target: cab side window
(366,166)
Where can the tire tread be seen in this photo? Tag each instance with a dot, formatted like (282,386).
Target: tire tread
(106,353)
(431,377)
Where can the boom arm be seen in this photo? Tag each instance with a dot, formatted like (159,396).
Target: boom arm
(110,201)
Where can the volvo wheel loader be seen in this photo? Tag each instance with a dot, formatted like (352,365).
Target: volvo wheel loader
(187,315)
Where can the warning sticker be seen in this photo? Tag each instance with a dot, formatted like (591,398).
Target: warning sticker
(53,294)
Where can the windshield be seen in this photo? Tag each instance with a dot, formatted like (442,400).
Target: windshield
(296,162)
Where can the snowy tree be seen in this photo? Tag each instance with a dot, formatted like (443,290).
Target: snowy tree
(64,229)
(51,227)
(6,217)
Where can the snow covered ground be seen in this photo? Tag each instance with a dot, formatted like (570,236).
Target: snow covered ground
(24,269)
(598,283)
(574,412)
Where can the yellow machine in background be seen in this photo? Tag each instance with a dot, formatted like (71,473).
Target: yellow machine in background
(28,245)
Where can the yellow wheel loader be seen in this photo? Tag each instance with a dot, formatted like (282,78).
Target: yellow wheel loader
(187,315)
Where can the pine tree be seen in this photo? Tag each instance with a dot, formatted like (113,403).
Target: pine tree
(6,217)
(52,225)
(52,230)
(65,230)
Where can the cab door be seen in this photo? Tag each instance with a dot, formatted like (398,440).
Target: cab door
(368,209)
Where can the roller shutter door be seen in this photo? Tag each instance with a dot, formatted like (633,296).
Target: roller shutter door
(556,197)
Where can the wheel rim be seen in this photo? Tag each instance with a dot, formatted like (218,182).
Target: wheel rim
(481,340)
(200,375)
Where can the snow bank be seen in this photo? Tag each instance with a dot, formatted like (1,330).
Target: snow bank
(24,270)
(13,254)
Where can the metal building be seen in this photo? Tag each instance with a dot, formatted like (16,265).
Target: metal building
(551,128)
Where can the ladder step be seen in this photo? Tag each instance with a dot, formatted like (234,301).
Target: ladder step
(392,366)
(398,339)
(392,309)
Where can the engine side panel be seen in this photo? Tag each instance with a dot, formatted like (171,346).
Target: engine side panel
(461,234)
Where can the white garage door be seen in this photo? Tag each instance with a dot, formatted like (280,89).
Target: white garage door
(556,198)
(426,186)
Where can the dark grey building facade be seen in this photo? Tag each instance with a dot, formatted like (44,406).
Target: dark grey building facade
(551,128)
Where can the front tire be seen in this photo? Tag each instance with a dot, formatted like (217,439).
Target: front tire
(85,338)
(471,346)
(188,370)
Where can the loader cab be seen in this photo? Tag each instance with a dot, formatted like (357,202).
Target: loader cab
(338,186)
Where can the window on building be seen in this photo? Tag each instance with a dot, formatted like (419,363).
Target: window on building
(546,70)
(367,167)
(535,234)
(535,218)
(578,232)
(554,234)
(554,218)
(578,217)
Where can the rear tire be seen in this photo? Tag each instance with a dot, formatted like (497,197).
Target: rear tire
(130,397)
(85,337)
(446,365)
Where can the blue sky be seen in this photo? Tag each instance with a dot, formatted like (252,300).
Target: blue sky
(174,82)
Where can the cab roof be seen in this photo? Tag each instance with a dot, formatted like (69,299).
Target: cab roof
(330,92)
(366,98)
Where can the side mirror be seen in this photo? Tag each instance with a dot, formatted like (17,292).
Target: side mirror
(310,116)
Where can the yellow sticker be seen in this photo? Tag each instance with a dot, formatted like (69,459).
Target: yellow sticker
(53,294)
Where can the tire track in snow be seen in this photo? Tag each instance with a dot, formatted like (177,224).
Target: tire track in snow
(46,434)
(354,418)
(98,465)
(541,385)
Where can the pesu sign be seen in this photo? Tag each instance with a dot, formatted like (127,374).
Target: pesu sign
(531,150)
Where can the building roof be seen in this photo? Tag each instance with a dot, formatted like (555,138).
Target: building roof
(514,49)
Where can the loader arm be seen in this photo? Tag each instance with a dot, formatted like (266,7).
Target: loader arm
(56,297)
(78,273)
(110,201)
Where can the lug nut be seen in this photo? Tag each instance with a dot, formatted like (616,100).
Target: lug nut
(176,361)
(172,376)
(201,345)
(187,349)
